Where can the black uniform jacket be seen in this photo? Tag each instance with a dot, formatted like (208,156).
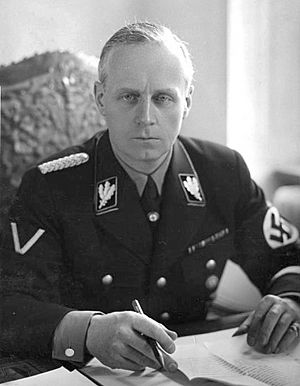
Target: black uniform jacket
(77,238)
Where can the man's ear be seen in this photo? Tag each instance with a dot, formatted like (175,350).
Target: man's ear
(188,101)
(99,95)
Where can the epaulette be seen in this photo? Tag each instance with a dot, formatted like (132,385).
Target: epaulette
(62,163)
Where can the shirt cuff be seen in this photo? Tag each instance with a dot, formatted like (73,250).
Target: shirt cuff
(70,335)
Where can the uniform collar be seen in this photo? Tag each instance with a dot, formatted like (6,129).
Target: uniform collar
(111,174)
(140,179)
(119,212)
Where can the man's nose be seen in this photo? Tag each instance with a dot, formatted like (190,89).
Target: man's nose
(145,113)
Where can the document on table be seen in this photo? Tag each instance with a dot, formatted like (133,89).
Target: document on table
(214,356)
(57,377)
(272,369)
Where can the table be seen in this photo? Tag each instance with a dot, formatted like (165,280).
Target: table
(12,367)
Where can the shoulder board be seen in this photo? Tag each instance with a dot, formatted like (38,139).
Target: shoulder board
(63,163)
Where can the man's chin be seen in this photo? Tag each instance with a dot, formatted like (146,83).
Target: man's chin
(144,161)
(147,153)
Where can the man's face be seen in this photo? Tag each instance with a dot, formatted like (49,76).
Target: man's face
(144,100)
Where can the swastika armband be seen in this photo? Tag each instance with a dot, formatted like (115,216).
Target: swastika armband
(277,231)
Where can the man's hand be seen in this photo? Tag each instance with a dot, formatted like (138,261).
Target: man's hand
(274,325)
(116,340)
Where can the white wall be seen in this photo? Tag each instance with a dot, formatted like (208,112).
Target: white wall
(36,26)
(263,112)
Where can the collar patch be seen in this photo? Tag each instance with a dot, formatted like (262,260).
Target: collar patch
(106,195)
(192,189)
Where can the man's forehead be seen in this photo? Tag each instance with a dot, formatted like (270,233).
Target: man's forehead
(150,45)
(139,49)
(136,63)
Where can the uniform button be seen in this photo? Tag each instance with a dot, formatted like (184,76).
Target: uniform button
(212,282)
(165,316)
(161,282)
(211,264)
(153,216)
(69,352)
(107,279)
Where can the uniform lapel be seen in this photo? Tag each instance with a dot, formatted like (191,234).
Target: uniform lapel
(116,203)
(183,207)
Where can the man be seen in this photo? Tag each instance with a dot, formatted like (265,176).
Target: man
(138,212)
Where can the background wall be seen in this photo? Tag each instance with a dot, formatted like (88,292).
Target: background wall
(34,26)
(263,89)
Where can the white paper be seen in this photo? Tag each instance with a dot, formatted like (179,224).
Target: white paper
(57,377)
(215,356)
(273,369)
(195,364)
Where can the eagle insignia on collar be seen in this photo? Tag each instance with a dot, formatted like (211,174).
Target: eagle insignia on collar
(106,195)
(191,185)
(192,189)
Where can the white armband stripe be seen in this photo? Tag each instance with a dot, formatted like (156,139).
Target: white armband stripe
(293,269)
(290,294)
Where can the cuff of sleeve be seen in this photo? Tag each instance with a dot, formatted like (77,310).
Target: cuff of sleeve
(291,295)
(287,283)
(69,337)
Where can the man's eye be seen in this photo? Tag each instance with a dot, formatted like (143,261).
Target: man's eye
(131,98)
(163,99)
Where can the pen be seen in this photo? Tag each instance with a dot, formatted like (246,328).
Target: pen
(243,329)
(152,342)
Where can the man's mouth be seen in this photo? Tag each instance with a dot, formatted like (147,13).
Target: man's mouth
(146,138)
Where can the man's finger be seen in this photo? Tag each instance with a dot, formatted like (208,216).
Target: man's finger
(169,363)
(172,334)
(149,327)
(258,316)
(244,326)
(127,364)
(269,323)
(138,358)
(139,343)
(140,352)
(279,331)
(290,336)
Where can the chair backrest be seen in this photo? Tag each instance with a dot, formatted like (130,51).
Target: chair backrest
(47,105)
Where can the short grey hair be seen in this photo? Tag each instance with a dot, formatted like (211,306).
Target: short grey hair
(141,33)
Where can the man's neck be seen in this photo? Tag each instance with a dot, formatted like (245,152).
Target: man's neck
(144,167)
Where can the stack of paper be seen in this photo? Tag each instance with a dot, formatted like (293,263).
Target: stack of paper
(57,377)
(215,356)
(272,369)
